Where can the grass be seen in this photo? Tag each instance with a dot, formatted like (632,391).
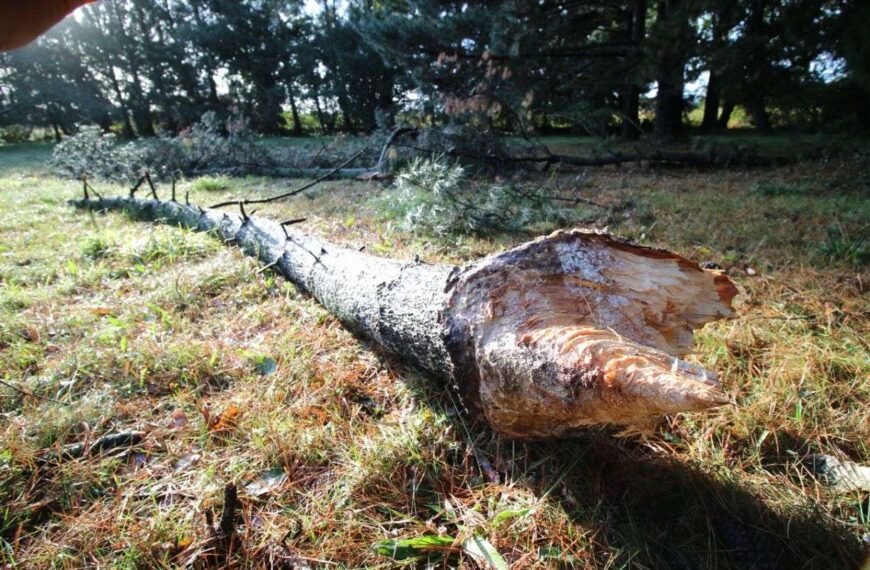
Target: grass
(212,183)
(113,325)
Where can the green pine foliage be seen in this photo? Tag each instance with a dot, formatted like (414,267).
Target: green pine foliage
(438,197)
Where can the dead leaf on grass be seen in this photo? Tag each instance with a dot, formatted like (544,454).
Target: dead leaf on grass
(187,460)
(226,421)
(266,482)
(101,311)
(178,420)
(31,333)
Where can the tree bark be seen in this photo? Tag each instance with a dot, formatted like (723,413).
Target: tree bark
(725,116)
(711,103)
(267,105)
(297,122)
(631,97)
(726,157)
(127,129)
(723,17)
(671,26)
(757,65)
(758,112)
(570,330)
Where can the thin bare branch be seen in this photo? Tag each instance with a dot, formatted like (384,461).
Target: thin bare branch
(299,190)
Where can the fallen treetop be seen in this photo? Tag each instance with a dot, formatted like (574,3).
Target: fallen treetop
(570,330)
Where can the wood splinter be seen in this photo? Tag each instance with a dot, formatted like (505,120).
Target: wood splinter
(570,330)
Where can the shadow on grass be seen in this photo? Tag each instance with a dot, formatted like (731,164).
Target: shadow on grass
(647,510)
(672,515)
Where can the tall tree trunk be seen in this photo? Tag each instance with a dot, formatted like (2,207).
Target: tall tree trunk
(335,67)
(670,76)
(567,331)
(267,106)
(669,105)
(154,61)
(294,111)
(207,61)
(105,122)
(324,126)
(386,111)
(127,128)
(346,122)
(213,98)
(757,65)
(723,21)
(143,117)
(140,102)
(711,103)
(758,111)
(725,116)
(597,127)
(631,94)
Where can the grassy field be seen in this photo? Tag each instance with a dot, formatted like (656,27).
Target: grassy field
(343,458)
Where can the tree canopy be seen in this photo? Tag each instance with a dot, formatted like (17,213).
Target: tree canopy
(601,67)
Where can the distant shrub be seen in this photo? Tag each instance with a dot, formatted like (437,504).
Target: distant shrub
(15,134)
(435,196)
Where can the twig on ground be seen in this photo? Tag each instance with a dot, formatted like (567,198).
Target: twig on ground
(227,523)
(100,445)
(105,443)
(31,394)
(219,546)
(575,200)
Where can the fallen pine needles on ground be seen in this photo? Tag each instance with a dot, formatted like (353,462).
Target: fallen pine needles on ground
(342,457)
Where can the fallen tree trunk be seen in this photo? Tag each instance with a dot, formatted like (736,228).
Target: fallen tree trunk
(290,172)
(663,157)
(569,330)
(667,157)
(713,157)
(378,171)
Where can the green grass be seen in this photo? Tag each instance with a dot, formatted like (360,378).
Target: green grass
(30,157)
(745,141)
(116,325)
(212,183)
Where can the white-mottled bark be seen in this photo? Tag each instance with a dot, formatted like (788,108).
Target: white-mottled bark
(573,329)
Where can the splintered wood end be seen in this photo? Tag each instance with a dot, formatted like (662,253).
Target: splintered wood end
(580,328)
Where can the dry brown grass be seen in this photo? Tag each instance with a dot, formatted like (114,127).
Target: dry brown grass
(130,326)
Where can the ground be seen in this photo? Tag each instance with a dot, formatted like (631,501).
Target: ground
(339,453)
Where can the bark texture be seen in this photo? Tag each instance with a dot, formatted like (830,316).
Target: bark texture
(570,330)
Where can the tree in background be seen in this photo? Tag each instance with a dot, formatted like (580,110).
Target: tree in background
(599,67)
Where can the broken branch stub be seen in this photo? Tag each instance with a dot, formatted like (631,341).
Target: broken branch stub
(570,330)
